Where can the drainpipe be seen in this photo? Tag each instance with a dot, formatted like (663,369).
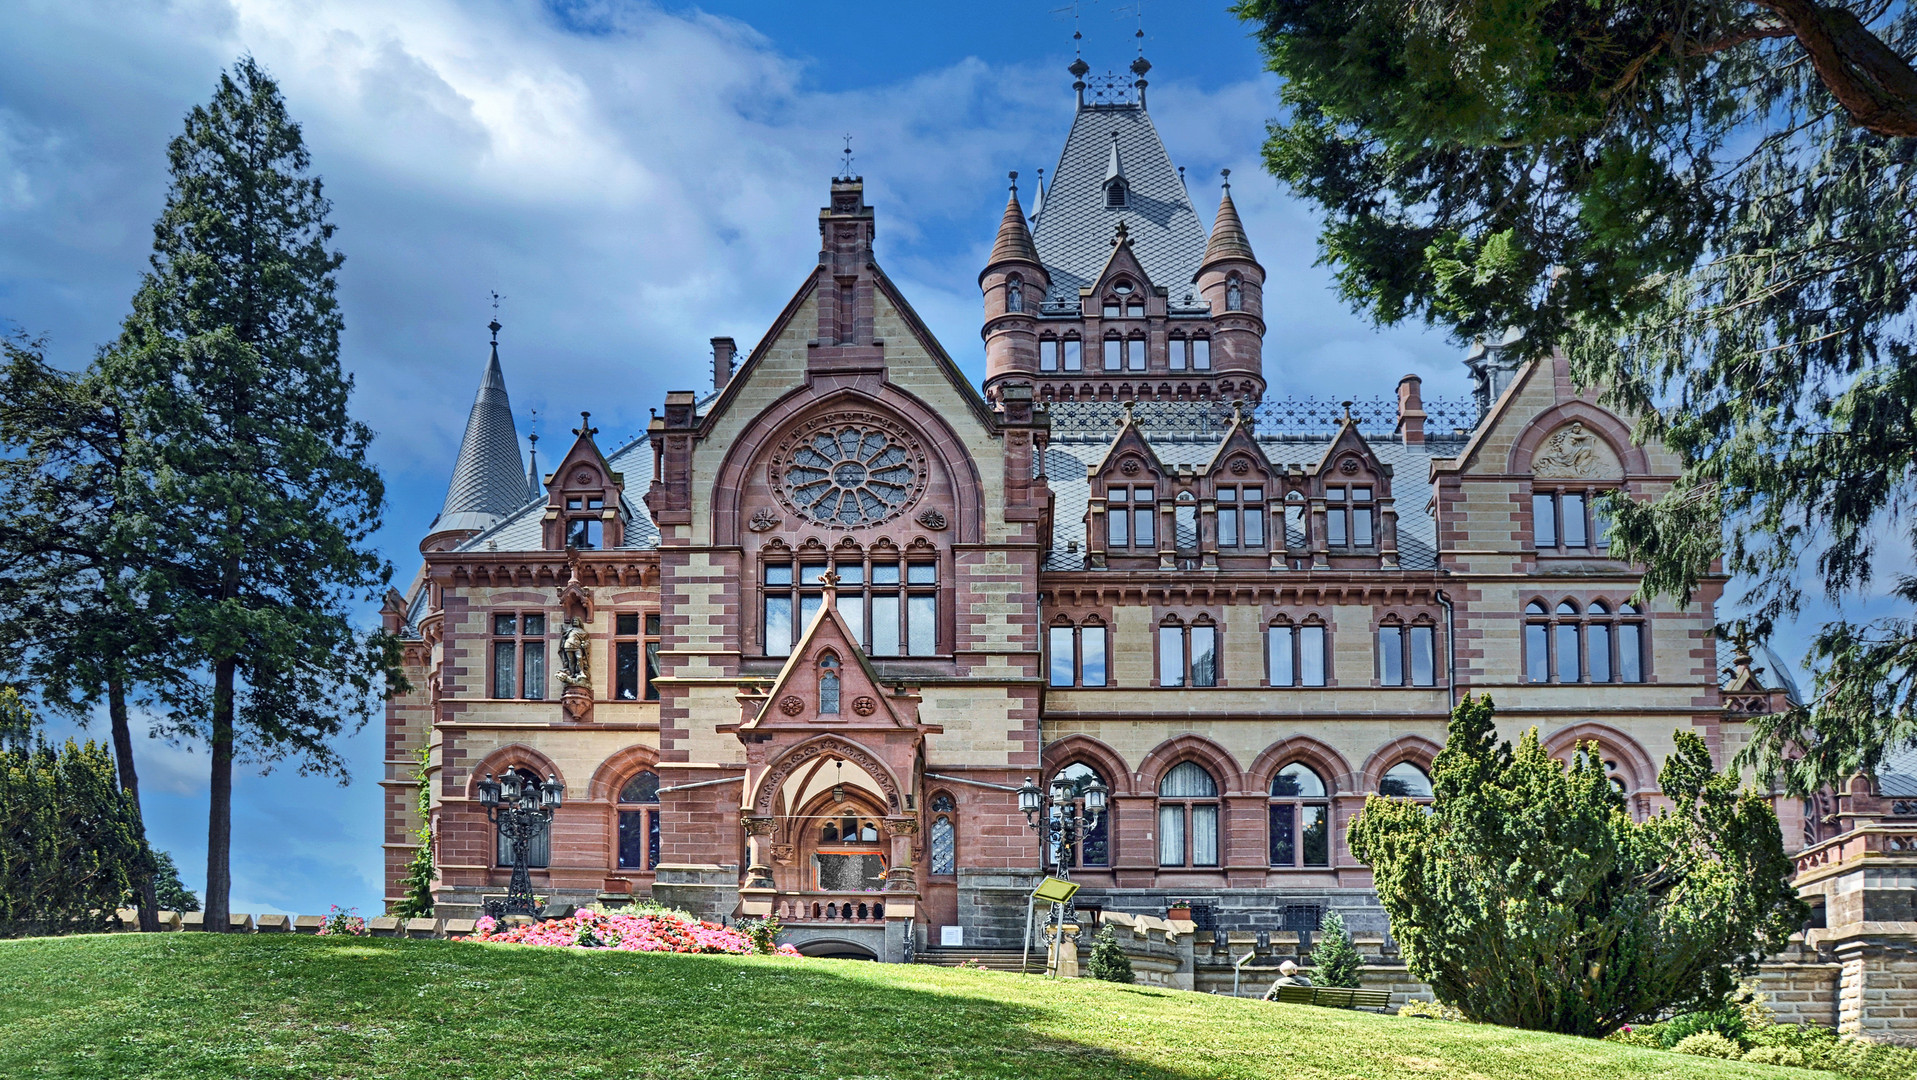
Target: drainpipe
(1450,649)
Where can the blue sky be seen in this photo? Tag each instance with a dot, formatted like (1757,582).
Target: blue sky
(634,179)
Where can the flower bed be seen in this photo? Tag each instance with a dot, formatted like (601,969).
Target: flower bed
(589,929)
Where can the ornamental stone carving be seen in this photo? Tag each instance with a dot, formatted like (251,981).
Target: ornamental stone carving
(1348,466)
(932,519)
(764,521)
(849,470)
(791,705)
(1574,453)
(1239,466)
(1130,467)
(864,706)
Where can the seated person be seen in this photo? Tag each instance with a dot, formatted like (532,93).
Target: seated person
(1287,976)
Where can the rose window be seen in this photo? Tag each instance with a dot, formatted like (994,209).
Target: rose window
(849,472)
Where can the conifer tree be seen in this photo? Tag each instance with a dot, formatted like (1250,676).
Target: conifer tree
(1527,896)
(1335,961)
(1108,960)
(253,478)
(74,625)
(1708,205)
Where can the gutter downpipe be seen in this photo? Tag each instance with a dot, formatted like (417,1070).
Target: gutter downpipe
(1450,649)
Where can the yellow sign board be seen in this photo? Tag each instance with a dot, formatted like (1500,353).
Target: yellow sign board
(1055,890)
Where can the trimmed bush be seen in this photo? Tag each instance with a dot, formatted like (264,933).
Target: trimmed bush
(1709,1044)
(1775,1055)
(1109,961)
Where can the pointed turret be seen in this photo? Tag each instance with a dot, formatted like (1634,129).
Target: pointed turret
(1014,239)
(1233,285)
(1014,284)
(1228,239)
(487,483)
(1038,200)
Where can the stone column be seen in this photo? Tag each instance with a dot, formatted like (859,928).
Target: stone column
(901,892)
(757,894)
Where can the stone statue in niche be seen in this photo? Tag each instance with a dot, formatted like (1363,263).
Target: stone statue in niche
(1574,452)
(575,654)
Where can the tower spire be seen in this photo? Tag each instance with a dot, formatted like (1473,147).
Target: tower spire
(534,489)
(1228,239)
(487,483)
(1014,242)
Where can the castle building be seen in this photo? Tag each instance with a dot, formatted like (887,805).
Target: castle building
(793,651)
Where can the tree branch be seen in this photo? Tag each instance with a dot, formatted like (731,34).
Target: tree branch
(1877,87)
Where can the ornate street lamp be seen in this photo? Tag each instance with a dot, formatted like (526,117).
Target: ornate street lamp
(520,810)
(1065,826)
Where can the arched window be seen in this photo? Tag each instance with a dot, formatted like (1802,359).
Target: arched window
(944,846)
(1567,645)
(1234,293)
(1113,361)
(1175,356)
(829,685)
(1077,653)
(1188,655)
(1014,293)
(1094,848)
(855,862)
(1074,354)
(1300,818)
(539,848)
(1135,352)
(1188,817)
(1405,781)
(1201,354)
(1048,353)
(1295,655)
(639,822)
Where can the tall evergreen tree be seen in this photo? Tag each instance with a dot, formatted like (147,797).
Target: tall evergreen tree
(73,622)
(254,478)
(1708,203)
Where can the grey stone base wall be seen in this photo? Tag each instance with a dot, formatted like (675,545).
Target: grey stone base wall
(991,906)
(710,892)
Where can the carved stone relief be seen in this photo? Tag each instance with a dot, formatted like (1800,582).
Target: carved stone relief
(1574,453)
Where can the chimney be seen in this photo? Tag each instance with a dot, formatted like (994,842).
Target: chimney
(723,350)
(1411,410)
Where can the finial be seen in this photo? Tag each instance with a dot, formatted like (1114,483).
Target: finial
(585,427)
(534,433)
(1347,406)
(1014,178)
(1226,175)
(845,165)
(1123,234)
(494,325)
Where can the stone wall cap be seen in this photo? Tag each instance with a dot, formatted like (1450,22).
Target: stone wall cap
(275,923)
(461,926)
(308,924)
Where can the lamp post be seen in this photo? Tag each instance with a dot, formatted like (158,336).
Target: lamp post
(1064,827)
(520,809)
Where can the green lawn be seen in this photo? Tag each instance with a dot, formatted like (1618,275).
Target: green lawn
(207,1005)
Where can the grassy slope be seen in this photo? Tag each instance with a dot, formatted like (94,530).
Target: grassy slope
(204,1005)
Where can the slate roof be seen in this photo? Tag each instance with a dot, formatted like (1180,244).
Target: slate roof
(521,528)
(1083,432)
(1074,229)
(488,477)
(1771,670)
(1898,776)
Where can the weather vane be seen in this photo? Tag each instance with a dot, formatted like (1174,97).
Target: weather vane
(845,166)
(494,325)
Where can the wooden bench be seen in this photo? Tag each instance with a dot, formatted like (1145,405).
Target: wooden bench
(1332,997)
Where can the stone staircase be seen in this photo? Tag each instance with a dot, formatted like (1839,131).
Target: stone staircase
(991,959)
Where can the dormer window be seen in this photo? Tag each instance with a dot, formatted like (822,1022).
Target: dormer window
(1348,516)
(584,528)
(1116,195)
(1014,293)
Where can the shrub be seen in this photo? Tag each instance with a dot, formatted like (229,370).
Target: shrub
(1728,1022)
(417,885)
(343,922)
(1645,1035)
(1775,1055)
(1429,1010)
(1708,1044)
(71,844)
(1523,864)
(1109,961)
(1335,962)
(763,933)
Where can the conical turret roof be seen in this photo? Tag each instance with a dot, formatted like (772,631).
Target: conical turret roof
(1228,239)
(488,478)
(1014,239)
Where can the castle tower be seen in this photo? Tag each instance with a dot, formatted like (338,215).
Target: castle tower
(1014,281)
(489,480)
(1233,283)
(1113,305)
